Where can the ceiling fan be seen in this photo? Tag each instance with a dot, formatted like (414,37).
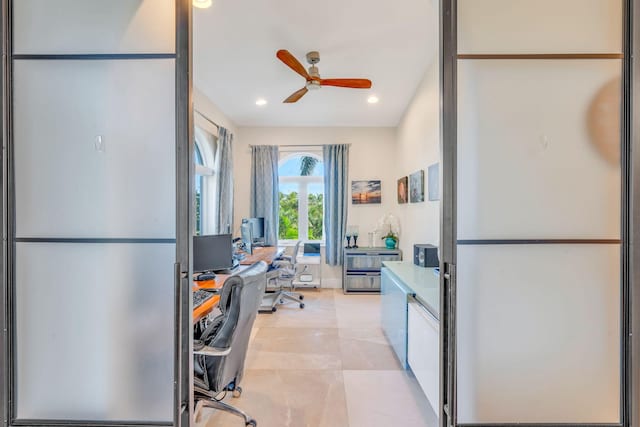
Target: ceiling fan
(313,75)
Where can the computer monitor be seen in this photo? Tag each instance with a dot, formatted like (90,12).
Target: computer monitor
(257,229)
(212,252)
(245,234)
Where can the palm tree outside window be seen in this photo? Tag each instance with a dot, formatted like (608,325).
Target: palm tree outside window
(301,194)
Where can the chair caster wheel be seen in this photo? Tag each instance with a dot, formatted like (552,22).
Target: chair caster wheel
(237,392)
(301,297)
(301,305)
(273,310)
(251,423)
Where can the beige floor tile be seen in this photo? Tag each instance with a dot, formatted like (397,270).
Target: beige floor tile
(366,348)
(357,311)
(295,364)
(386,398)
(289,399)
(319,312)
(295,348)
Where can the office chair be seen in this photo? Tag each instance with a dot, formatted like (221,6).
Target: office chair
(220,351)
(286,269)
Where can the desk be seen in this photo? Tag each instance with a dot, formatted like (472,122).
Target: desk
(206,307)
(267,254)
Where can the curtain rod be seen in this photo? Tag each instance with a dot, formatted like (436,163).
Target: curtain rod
(292,145)
(297,145)
(207,119)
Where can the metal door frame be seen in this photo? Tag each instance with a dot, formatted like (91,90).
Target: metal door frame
(630,231)
(183,334)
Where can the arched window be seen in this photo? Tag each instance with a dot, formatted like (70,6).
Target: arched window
(301,190)
(203,159)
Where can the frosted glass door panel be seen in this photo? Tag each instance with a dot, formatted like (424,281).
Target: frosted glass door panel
(538,147)
(93,26)
(70,184)
(539,26)
(94,328)
(559,362)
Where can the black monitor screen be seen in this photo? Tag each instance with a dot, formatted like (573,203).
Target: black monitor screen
(213,252)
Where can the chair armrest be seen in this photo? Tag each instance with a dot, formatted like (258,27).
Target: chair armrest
(281,263)
(212,351)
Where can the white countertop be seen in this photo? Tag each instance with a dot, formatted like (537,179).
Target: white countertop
(424,282)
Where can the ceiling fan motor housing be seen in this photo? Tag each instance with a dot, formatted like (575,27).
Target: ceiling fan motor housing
(313,57)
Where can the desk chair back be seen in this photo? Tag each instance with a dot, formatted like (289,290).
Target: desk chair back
(240,299)
(288,267)
(296,251)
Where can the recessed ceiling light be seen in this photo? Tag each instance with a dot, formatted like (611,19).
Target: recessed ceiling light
(261,101)
(373,99)
(202,4)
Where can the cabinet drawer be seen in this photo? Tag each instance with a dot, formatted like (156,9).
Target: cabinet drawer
(423,353)
(362,282)
(368,261)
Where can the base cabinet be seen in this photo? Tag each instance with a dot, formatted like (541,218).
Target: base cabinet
(361,271)
(423,350)
(394,314)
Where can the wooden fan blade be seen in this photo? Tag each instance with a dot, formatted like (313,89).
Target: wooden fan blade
(291,62)
(295,96)
(352,83)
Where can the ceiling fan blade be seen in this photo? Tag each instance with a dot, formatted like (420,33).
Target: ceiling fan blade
(291,62)
(352,83)
(295,96)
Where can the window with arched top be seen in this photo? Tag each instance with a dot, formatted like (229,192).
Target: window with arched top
(301,189)
(203,154)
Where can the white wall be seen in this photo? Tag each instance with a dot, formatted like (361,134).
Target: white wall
(418,147)
(371,156)
(210,110)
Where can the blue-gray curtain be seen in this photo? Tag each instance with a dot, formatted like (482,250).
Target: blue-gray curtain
(336,172)
(264,189)
(223,222)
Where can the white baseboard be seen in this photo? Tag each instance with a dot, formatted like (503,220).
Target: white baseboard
(332,283)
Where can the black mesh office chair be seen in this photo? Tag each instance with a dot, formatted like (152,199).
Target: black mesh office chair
(220,351)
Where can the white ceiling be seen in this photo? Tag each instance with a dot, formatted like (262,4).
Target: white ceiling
(390,42)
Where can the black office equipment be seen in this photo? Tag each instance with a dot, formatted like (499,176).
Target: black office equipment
(311,249)
(425,255)
(212,252)
(205,276)
(200,297)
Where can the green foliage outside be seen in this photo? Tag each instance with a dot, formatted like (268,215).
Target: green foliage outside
(288,229)
(315,216)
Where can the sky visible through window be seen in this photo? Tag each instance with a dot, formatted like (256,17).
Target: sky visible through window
(291,167)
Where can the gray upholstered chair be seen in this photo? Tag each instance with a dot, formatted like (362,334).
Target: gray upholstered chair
(284,275)
(220,350)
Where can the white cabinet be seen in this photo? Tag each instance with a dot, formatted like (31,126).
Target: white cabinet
(423,351)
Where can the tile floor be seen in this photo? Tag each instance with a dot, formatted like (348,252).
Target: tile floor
(328,365)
